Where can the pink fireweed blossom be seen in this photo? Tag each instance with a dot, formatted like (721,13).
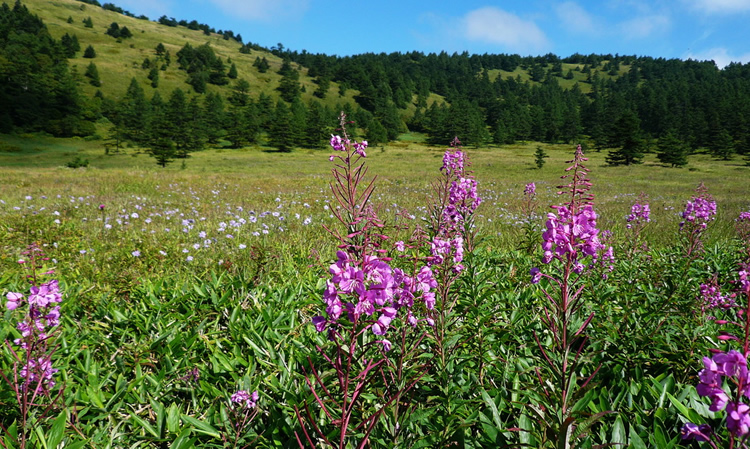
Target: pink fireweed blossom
(530,189)
(374,291)
(698,212)
(639,215)
(245,399)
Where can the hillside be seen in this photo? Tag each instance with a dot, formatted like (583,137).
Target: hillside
(119,60)
(618,102)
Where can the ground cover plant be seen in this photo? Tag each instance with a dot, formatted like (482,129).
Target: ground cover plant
(253,305)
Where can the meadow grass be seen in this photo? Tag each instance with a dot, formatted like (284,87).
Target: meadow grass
(218,265)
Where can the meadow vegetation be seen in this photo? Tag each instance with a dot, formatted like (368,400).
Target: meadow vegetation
(183,286)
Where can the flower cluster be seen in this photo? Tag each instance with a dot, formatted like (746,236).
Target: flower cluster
(341,144)
(245,399)
(374,288)
(571,236)
(639,215)
(453,161)
(443,249)
(712,298)
(530,189)
(733,366)
(463,200)
(742,224)
(699,211)
(42,317)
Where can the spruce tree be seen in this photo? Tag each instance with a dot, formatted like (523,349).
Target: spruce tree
(671,150)
(723,145)
(626,136)
(281,135)
(232,74)
(93,75)
(89,53)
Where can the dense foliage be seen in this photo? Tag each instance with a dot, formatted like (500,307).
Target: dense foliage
(176,302)
(38,93)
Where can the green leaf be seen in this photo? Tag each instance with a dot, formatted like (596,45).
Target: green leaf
(145,424)
(201,426)
(173,418)
(635,441)
(618,432)
(495,414)
(57,432)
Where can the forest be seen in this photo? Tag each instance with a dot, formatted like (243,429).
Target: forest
(626,104)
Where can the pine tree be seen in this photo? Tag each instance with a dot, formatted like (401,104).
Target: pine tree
(89,52)
(723,145)
(539,157)
(281,135)
(88,23)
(672,150)
(213,114)
(232,74)
(93,75)
(289,84)
(627,136)
(153,75)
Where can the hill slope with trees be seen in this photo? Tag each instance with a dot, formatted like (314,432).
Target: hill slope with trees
(148,82)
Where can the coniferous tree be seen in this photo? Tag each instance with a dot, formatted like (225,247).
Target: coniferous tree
(213,113)
(153,76)
(232,74)
(160,49)
(289,88)
(316,131)
(93,75)
(627,137)
(88,23)
(672,150)
(723,145)
(70,44)
(240,95)
(261,64)
(281,134)
(89,53)
(133,113)
(113,30)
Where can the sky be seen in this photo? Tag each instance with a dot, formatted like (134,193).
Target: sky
(715,30)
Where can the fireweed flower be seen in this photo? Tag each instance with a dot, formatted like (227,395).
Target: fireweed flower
(639,214)
(712,298)
(42,318)
(699,211)
(376,292)
(245,399)
(695,432)
(530,189)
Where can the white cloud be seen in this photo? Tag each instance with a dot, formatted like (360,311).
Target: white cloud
(495,26)
(264,10)
(645,26)
(575,19)
(720,6)
(719,55)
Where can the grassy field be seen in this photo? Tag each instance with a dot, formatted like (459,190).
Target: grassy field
(185,284)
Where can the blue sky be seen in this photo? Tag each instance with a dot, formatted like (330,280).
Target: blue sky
(697,29)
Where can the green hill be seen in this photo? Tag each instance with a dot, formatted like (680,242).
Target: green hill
(119,60)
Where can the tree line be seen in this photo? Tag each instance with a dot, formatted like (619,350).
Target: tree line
(625,104)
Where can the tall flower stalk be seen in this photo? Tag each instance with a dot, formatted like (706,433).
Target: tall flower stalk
(699,211)
(32,379)
(366,301)
(724,379)
(570,243)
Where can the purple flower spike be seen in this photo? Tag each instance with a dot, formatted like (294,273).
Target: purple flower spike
(695,432)
(738,418)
